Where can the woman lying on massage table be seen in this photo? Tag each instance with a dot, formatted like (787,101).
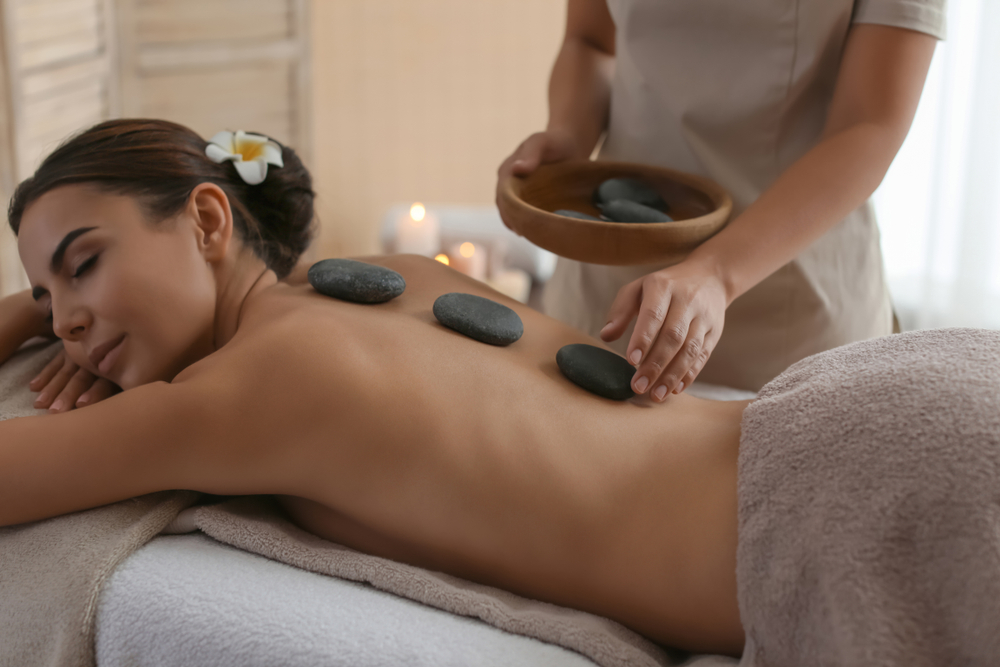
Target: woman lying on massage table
(375,426)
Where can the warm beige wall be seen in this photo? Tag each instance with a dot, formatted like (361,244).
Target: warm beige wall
(421,100)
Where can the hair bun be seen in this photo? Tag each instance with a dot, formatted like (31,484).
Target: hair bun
(282,206)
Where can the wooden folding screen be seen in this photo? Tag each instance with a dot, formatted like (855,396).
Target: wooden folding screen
(210,64)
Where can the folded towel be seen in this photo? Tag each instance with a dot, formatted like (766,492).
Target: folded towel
(869,506)
(51,571)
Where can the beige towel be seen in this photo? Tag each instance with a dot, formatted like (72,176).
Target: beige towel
(51,571)
(869,506)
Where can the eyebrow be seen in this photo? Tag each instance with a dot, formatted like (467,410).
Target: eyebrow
(57,257)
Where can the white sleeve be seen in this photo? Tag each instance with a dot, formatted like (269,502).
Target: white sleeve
(921,15)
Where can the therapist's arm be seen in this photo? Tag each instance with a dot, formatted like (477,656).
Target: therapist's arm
(681,309)
(579,93)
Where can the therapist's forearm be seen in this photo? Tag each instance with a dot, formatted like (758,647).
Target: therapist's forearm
(807,200)
(580,93)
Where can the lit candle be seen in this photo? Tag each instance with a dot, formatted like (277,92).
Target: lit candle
(418,232)
(469,259)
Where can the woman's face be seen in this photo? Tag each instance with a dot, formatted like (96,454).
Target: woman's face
(133,301)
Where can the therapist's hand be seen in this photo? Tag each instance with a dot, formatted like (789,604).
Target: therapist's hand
(680,311)
(540,148)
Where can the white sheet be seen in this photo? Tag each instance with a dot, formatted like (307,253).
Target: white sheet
(188,601)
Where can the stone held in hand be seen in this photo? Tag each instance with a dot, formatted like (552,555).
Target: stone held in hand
(623,210)
(479,318)
(351,280)
(576,214)
(629,189)
(597,370)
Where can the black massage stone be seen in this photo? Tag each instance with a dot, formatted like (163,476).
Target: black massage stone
(479,318)
(623,210)
(576,214)
(350,280)
(629,189)
(597,370)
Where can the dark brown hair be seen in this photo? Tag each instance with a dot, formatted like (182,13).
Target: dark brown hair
(160,163)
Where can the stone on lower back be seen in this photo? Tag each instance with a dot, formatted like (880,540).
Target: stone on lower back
(597,370)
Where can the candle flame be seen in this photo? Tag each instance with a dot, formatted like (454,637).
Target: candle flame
(417,213)
(443,258)
(467,250)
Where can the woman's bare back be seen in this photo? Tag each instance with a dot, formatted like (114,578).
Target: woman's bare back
(390,433)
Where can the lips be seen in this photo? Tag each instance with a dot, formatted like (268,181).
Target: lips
(98,353)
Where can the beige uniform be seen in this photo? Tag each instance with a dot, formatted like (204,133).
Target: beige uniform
(738,90)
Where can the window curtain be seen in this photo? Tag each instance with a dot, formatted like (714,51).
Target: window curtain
(939,205)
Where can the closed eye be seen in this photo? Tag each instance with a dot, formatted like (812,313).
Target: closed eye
(86,266)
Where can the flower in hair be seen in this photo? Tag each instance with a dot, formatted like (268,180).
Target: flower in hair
(249,153)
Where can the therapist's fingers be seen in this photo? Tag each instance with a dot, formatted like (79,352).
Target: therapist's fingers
(693,353)
(525,158)
(623,310)
(658,339)
(660,315)
(539,148)
(711,340)
(529,154)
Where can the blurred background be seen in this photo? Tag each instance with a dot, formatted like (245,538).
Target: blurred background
(392,102)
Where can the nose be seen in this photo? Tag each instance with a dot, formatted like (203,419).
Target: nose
(70,321)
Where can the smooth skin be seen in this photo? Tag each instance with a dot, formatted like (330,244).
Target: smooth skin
(680,310)
(375,426)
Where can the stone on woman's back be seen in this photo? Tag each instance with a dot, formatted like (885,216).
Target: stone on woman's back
(483,319)
(597,370)
(351,280)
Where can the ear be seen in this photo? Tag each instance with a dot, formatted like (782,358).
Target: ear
(208,208)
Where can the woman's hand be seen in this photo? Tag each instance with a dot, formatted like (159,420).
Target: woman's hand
(64,386)
(538,149)
(681,310)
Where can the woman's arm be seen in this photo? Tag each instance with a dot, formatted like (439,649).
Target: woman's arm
(201,435)
(118,449)
(681,309)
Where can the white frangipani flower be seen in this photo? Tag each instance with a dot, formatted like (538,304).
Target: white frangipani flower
(249,153)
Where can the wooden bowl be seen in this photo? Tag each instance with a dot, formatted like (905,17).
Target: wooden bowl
(699,207)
